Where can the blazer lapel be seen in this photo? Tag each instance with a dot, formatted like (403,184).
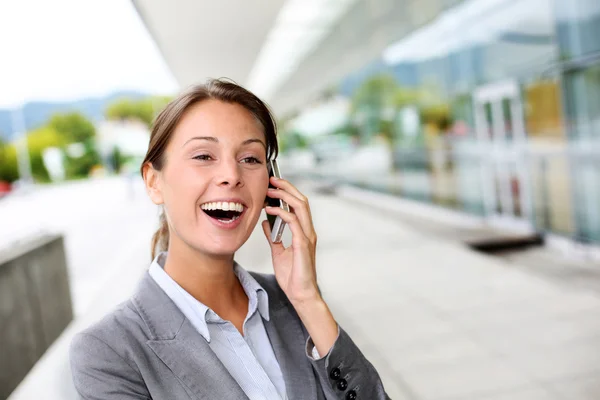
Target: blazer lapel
(196,365)
(177,343)
(289,342)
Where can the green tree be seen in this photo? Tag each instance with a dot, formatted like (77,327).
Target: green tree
(9,170)
(74,127)
(405,97)
(370,101)
(348,129)
(142,110)
(37,141)
(290,140)
(80,167)
(376,93)
(118,160)
(437,114)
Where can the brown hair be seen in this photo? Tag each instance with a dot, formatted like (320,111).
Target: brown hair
(167,120)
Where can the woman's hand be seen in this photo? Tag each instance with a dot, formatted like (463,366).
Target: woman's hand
(295,266)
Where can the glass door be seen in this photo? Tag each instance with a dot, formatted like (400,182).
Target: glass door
(501,137)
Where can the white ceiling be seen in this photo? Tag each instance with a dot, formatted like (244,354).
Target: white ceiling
(224,38)
(202,39)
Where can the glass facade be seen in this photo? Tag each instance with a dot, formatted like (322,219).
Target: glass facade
(578,30)
(508,99)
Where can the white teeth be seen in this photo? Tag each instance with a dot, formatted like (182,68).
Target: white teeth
(225,206)
(228,221)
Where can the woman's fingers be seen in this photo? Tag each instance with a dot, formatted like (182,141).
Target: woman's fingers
(287,186)
(298,236)
(299,208)
(288,193)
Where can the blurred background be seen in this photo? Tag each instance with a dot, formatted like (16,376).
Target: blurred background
(450,149)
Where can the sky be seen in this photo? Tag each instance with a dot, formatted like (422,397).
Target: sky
(71,49)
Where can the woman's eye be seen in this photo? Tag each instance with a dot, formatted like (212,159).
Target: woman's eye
(202,157)
(251,160)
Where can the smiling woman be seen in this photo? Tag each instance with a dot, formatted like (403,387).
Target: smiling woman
(199,325)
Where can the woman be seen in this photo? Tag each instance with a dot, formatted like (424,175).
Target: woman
(199,326)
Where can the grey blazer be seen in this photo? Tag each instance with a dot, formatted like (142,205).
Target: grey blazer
(147,349)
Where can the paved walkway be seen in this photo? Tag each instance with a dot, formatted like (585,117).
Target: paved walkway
(103,221)
(437,320)
(440,321)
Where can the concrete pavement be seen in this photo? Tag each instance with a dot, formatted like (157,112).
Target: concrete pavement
(438,321)
(103,221)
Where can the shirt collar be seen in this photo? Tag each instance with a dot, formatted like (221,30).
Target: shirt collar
(253,291)
(195,311)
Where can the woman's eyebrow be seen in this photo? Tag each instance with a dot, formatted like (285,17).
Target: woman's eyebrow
(249,141)
(209,138)
(216,140)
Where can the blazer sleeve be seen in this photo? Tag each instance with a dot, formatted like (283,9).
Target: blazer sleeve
(99,372)
(345,373)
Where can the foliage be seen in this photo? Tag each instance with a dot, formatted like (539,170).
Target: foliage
(37,141)
(377,102)
(405,97)
(60,131)
(9,170)
(386,129)
(438,115)
(80,167)
(375,94)
(74,127)
(292,139)
(348,129)
(118,160)
(374,104)
(142,110)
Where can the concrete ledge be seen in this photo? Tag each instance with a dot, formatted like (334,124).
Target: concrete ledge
(35,305)
(50,378)
(393,203)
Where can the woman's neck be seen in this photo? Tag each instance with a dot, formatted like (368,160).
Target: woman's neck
(210,280)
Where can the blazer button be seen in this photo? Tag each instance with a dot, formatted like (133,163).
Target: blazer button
(351,395)
(335,374)
(342,384)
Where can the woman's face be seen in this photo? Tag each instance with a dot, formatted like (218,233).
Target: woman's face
(214,180)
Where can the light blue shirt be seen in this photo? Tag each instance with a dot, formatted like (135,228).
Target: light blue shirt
(249,358)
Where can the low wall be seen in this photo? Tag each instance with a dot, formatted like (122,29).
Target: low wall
(35,305)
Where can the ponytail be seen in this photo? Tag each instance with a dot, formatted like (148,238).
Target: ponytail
(160,239)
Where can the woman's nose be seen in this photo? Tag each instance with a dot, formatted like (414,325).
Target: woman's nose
(230,175)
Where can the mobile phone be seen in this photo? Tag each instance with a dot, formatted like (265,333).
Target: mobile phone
(275,222)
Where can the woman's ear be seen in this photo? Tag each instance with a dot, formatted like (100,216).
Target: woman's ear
(152,182)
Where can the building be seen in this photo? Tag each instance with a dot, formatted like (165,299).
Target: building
(506,92)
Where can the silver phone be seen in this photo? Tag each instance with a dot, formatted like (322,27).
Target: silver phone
(275,222)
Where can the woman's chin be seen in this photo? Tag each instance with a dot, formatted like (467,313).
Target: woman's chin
(223,249)
(220,243)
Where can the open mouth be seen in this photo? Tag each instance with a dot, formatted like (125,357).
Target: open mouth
(225,212)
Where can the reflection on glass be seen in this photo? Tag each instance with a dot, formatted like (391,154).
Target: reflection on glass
(577,27)
(471,45)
